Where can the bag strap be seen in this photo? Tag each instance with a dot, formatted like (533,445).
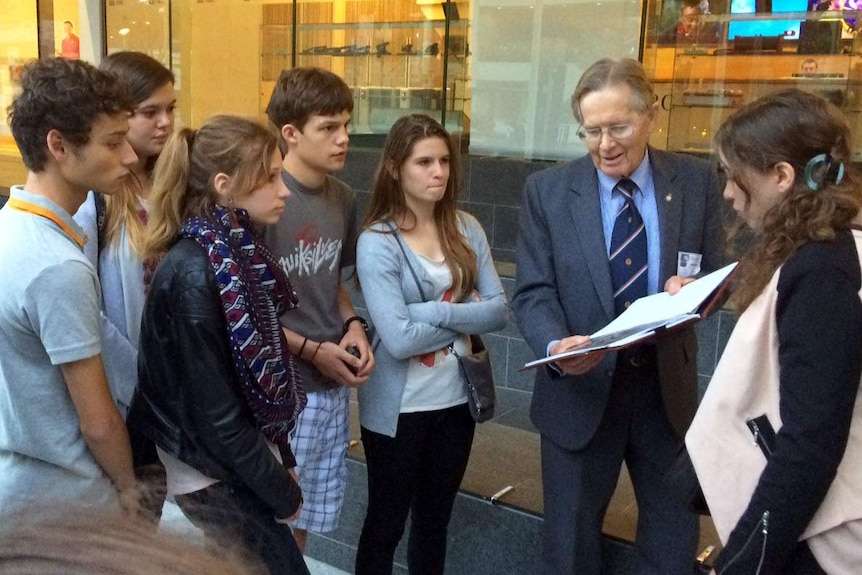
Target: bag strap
(407,259)
(101,220)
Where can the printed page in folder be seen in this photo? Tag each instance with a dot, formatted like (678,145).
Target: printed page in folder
(662,310)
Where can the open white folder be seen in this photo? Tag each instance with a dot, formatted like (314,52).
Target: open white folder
(652,313)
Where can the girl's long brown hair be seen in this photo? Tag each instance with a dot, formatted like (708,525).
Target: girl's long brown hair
(794,127)
(388,203)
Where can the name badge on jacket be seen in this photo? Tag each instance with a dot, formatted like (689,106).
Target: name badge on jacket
(688,264)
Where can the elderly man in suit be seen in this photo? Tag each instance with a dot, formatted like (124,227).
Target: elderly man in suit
(596,233)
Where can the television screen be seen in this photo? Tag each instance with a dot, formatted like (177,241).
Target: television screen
(787,28)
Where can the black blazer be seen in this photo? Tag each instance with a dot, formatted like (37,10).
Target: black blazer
(564,288)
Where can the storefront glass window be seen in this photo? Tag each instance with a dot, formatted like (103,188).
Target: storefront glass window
(18,43)
(139,26)
(708,58)
(146,27)
(504,83)
(32,29)
(527,58)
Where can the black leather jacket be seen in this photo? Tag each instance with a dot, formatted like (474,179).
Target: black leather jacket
(186,400)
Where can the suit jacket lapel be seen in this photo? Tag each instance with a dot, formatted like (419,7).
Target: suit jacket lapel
(668,199)
(586,211)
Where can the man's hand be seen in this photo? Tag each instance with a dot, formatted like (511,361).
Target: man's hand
(336,363)
(130,501)
(675,283)
(579,364)
(357,339)
(101,424)
(295,516)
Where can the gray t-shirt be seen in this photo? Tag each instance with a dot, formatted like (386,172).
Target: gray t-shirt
(313,241)
(49,316)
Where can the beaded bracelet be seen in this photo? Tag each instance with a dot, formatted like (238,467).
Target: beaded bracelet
(353,319)
(302,347)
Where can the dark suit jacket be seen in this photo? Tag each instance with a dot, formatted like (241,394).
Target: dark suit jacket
(564,284)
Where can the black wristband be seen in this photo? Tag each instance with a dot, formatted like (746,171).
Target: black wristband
(313,355)
(353,319)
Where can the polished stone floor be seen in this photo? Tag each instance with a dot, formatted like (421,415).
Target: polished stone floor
(485,538)
(506,454)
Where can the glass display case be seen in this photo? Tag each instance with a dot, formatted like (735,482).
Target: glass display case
(707,82)
(707,89)
(398,57)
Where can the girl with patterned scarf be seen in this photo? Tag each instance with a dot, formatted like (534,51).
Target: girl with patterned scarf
(218,392)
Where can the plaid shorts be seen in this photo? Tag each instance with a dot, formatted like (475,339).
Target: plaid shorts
(319,442)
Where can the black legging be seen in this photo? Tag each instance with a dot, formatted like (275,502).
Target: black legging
(417,472)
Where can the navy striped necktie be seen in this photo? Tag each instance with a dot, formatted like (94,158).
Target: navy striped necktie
(628,256)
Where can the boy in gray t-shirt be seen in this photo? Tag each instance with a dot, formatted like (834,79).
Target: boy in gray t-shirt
(313,242)
(62,439)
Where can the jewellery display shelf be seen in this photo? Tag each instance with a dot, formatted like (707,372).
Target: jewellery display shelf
(394,68)
(703,85)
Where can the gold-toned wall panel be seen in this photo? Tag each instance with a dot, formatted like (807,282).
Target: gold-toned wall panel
(12,170)
(223,58)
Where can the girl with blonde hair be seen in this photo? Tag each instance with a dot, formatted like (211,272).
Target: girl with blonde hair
(218,391)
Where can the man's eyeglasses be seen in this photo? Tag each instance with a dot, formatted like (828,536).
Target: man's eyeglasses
(617,132)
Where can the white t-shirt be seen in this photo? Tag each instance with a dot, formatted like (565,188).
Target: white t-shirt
(182,478)
(434,380)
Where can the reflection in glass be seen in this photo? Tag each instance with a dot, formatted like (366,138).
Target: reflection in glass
(527,59)
(18,44)
(139,26)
